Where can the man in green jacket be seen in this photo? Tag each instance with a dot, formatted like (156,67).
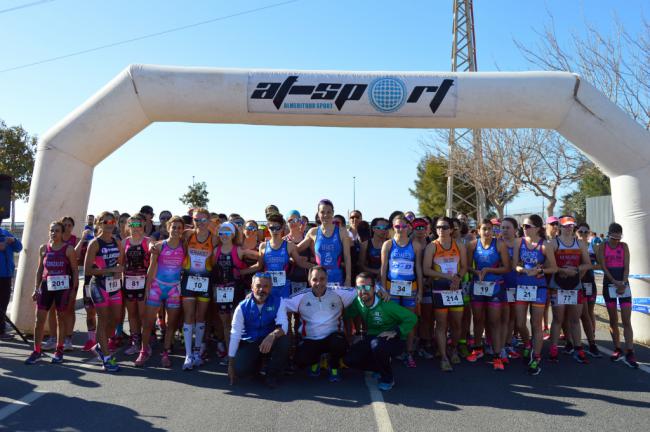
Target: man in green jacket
(388,325)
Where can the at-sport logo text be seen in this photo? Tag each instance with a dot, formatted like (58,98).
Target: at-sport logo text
(340,93)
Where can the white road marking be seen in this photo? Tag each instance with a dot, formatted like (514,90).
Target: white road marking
(609,352)
(378,405)
(19,404)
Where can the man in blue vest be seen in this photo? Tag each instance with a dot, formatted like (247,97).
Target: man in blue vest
(258,330)
(9,245)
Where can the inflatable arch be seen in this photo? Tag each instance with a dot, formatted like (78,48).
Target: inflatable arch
(141,95)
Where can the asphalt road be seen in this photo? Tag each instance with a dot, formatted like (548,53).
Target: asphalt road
(78,396)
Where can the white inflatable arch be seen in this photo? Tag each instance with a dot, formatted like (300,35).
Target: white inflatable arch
(141,95)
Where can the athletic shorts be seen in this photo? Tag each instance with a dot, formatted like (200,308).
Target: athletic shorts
(499,296)
(589,291)
(163,293)
(228,296)
(132,294)
(578,293)
(610,301)
(539,300)
(438,303)
(45,299)
(101,298)
(404,301)
(283,291)
(427,292)
(203,296)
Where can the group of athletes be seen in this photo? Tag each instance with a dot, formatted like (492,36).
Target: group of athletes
(290,291)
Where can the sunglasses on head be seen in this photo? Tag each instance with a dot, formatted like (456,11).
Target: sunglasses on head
(366,288)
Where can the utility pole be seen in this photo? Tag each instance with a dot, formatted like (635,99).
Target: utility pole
(463,59)
(354,193)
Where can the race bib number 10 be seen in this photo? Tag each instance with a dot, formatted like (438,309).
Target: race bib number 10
(197,284)
(112,284)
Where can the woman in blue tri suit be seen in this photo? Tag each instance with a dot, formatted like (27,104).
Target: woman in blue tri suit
(331,246)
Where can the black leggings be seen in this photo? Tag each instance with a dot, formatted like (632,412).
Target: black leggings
(309,351)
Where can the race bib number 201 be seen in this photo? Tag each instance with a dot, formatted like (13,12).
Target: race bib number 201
(58,283)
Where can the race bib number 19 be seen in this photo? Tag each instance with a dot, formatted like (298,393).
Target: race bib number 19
(484,288)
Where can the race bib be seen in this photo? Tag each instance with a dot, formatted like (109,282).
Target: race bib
(112,284)
(484,288)
(614,294)
(512,295)
(401,288)
(567,297)
(197,284)
(451,298)
(134,282)
(225,294)
(589,288)
(298,286)
(58,283)
(448,267)
(279,278)
(526,293)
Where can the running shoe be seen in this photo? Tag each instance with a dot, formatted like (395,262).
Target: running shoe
(568,348)
(422,352)
(142,358)
(221,349)
(513,354)
(57,357)
(97,350)
(580,356)
(630,360)
(314,370)
(134,345)
(553,354)
(88,346)
(113,344)
(334,375)
(477,353)
(547,334)
(445,366)
(110,364)
(67,344)
(497,364)
(385,386)
(454,358)
(528,349)
(410,361)
(463,351)
(617,355)
(165,361)
(196,359)
(533,366)
(48,344)
(594,351)
(33,358)
(188,364)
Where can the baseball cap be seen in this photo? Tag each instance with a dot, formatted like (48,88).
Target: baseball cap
(552,219)
(495,221)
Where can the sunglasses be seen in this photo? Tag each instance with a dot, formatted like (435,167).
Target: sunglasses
(135,224)
(294,221)
(526,226)
(225,233)
(401,226)
(366,288)
(274,228)
(109,222)
(554,223)
(583,232)
(200,220)
(443,227)
(420,228)
(380,227)
(251,228)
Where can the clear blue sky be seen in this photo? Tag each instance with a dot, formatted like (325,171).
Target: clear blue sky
(234,160)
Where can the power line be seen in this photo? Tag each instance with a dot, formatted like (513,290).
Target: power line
(23,6)
(147,36)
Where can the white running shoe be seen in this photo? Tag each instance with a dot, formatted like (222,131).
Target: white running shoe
(67,344)
(188,364)
(49,344)
(196,359)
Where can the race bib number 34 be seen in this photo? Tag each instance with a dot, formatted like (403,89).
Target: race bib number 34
(401,288)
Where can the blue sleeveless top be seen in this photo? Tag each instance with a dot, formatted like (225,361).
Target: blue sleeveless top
(329,254)
(487,258)
(401,262)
